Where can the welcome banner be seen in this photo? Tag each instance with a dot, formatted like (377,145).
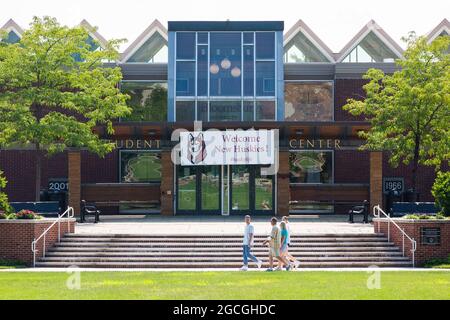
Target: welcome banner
(230,147)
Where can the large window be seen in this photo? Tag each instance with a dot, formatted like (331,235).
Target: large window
(140,166)
(148,100)
(223,76)
(311,166)
(309,101)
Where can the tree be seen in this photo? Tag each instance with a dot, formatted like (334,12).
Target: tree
(54,89)
(409,111)
(4,205)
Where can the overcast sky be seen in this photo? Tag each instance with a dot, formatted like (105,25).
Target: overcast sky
(334,21)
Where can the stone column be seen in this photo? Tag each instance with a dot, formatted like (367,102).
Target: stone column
(74,179)
(376,179)
(283,191)
(167,183)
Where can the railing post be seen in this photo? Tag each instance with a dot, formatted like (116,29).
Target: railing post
(59,230)
(33,248)
(403,240)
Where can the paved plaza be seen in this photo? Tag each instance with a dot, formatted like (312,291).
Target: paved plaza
(180,225)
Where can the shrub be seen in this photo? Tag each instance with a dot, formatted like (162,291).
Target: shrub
(5,208)
(441,192)
(27,214)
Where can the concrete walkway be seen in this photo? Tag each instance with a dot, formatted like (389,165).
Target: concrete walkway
(191,225)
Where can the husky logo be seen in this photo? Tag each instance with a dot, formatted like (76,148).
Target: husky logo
(196,148)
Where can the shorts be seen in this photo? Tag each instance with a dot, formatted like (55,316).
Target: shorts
(284,248)
(274,252)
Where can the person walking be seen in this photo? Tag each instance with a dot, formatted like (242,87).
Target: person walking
(274,242)
(247,244)
(288,256)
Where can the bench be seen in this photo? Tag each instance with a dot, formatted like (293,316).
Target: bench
(89,209)
(46,208)
(403,208)
(361,209)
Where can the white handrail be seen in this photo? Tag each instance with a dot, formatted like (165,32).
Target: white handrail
(70,213)
(376,213)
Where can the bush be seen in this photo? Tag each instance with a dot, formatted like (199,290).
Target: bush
(5,208)
(441,192)
(439,216)
(27,214)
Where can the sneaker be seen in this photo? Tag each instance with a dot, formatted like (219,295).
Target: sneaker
(259,264)
(269,269)
(278,269)
(244,268)
(288,267)
(296,264)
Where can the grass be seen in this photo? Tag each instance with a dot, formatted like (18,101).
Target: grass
(225,285)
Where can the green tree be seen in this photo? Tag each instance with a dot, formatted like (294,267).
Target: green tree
(54,89)
(409,111)
(4,205)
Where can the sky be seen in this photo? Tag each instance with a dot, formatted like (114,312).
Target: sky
(334,21)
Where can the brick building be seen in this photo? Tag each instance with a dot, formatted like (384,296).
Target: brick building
(231,75)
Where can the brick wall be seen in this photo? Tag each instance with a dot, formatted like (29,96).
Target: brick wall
(345,89)
(412,228)
(16,237)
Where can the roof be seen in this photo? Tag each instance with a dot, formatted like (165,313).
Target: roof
(371,26)
(11,25)
(302,27)
(443,26)
(93,33)
(154,27)
(226,25)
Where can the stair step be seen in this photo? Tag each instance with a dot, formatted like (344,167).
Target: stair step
(219,236)
(214,244)
(169,264)
(207,259)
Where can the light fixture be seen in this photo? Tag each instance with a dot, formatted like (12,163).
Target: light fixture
(226,63)
(235,72)
(214,68)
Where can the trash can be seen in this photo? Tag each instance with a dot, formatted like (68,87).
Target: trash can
(391,197)
(61,197)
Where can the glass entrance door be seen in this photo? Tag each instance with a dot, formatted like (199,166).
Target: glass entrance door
(250,191)
(199,189)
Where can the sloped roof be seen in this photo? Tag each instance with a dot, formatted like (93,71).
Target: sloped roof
(443,26)
(94,33)
(11,25)
(154,27)
(302,27)
(373,27)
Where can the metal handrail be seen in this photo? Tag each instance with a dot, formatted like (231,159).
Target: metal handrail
(70,214)
(376,213)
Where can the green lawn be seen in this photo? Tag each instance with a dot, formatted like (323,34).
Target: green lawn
(225,285)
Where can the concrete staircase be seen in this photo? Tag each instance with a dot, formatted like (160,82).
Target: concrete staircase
(217,251)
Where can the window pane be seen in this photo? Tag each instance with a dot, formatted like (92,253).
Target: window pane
(311,167)
(249,111)
(248,37)
(249,70)
(309,101)
(202,110)
(185,111)
(148,100)
(265,45)
(140,166)
(202,71)
(265,78)
(265,110)
(185,45)
(225,110)
(202,38)
(185,82)
(225,64)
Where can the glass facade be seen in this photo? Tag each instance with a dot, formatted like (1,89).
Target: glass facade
(148,100)
(311,167)
(140,167)
(223,76)
(309,101)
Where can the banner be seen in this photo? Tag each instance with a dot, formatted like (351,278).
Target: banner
(227,147)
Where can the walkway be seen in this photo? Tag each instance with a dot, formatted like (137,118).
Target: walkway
(178,225)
